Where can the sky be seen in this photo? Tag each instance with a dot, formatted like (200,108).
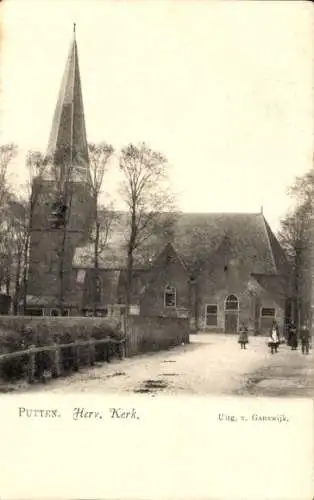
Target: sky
(222,89)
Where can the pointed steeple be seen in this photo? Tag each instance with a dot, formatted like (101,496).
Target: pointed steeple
(68,143)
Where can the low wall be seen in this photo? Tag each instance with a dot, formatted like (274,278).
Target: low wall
(155,333)
(18,333)
(44,330)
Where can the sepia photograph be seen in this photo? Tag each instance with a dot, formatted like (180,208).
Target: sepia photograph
(156,250)
(156,198)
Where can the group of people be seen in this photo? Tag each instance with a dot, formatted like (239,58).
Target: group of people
(293,337)
(274,337)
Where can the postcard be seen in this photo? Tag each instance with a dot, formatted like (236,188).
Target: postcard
(156,239)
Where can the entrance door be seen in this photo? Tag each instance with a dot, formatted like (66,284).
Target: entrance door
(231,314)
(231,322)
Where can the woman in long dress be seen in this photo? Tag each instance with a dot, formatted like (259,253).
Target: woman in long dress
(293,337)
(274,338)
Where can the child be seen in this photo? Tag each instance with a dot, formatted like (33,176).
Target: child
(274,338)
(243,336)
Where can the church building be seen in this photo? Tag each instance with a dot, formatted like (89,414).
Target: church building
(218,269)
(61,218)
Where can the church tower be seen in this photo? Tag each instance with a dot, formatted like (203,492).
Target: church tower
(62,212)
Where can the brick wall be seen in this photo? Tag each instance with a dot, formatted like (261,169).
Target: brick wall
(153,333)
(46,242)
(214,288)
(166,273)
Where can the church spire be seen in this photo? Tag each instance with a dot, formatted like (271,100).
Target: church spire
(68,143)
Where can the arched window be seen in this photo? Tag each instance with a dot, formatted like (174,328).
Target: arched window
(170,296)
(232,303)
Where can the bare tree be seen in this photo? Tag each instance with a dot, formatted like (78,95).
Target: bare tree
(7,153)
(99,157)
(63,173)
(15,241)
(295,236)
(36,165)
(294,239)
(149,202)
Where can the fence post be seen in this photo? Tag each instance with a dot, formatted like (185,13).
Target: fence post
(91,353)
(31,366)
(107,356)
(57,367)
(121,349)
(76,357)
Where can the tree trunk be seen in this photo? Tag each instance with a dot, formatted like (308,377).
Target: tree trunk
(17,287)
(297,288)
(26,254)
(129,274)
(129,281)
(61,271)
(7,284)
(67,201)
(25,269)
(96,266)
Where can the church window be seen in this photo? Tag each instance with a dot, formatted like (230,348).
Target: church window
(80,276)
(211,314)
(267,317)
(268,312)
(58,214)
(232,303)
(98,285)
(34,312)
(170,296)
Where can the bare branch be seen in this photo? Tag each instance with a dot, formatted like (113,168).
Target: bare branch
(145,191)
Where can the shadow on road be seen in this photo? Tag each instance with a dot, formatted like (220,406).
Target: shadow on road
(280,381)
(151,386)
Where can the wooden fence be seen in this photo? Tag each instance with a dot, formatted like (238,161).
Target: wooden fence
(61,356)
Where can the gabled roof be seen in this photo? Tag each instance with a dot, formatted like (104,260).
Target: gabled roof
(68,142)
(279,256)
(198,236)
(168,253)
(276,285)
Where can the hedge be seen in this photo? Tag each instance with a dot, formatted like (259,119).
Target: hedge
(20,332)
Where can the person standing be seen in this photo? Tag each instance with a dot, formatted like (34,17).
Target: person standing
(243,336)
(293,337)
(274,338)
(305,339)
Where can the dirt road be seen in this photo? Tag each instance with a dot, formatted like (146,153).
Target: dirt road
(210,364)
